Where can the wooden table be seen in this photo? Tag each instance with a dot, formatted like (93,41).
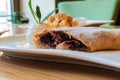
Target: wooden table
(19,69)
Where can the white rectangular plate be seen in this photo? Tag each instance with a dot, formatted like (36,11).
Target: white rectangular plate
(103,59)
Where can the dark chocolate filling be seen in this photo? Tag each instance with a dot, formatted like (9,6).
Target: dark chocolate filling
(55,38)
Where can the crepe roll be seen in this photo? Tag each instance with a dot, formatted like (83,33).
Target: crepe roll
(78,38)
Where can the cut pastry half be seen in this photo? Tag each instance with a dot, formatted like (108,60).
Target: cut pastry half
(78,38)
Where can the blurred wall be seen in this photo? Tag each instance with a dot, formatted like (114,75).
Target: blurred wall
(16,5)
(45,5)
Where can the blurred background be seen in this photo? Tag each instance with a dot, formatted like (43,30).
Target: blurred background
(12,9)
(17,11)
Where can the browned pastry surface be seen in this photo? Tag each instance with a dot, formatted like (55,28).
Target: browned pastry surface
(79,38)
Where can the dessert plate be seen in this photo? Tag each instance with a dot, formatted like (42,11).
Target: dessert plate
(98,22)
(84,22)
(17,46)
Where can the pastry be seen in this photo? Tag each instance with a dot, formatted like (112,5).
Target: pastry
(78,38)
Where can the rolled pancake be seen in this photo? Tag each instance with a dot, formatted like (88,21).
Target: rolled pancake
(79,38)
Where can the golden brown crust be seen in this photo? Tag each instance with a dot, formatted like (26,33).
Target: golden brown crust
(97,38)
(37,35)
(94,39)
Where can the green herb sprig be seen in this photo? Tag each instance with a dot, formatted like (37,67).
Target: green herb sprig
(37,13)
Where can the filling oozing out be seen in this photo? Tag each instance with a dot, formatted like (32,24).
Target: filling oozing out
(57,37)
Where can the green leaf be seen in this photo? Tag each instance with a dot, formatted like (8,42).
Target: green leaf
(46,17)
(38,13)
(32,11)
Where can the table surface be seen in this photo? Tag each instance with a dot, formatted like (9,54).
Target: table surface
(20,69)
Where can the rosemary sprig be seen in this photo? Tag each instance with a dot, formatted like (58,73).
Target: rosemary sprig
(32,11)
(37,13)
